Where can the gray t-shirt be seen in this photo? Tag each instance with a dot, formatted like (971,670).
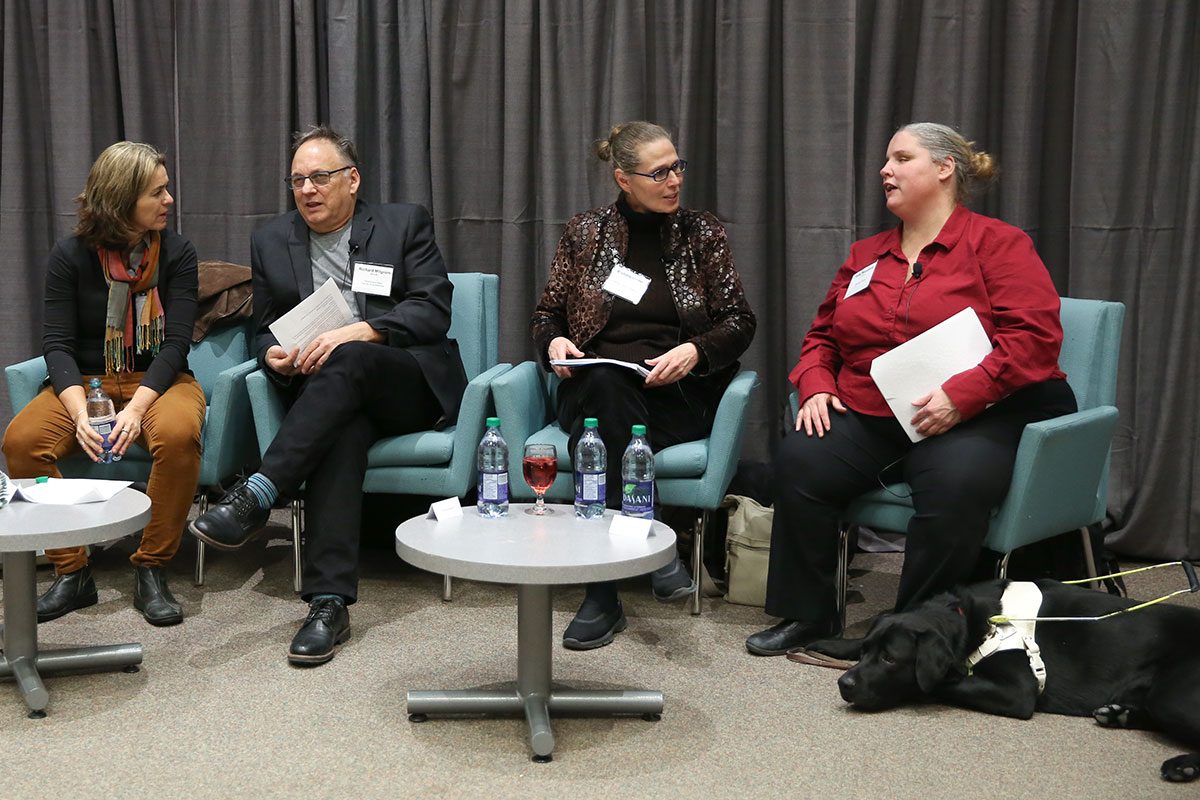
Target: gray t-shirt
(330,257)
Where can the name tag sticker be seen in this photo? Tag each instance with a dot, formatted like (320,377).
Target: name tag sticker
(861,280)
(445,509)
(372,278)
(626,284)
(623,527)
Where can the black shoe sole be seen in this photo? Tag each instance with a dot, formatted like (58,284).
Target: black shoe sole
(592,644)
(319,658)
(678,594)
(194,531)
(762,651)
(89,600)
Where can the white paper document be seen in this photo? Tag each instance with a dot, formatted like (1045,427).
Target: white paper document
(923,363)
(323,310)
(70,491)
(591,362)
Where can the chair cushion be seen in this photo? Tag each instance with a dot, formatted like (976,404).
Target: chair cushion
(423,448)
(687,460)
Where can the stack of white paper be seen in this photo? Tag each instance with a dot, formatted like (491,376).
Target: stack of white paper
(923,363)
(70,491)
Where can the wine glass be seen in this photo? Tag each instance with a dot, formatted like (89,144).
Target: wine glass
(539,466)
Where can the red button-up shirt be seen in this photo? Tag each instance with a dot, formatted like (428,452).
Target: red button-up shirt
(975,261)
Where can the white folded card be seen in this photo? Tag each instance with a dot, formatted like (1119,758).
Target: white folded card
(629,527)
(323,310)
(591,362)
(923,363)
(70,491)
(445,509)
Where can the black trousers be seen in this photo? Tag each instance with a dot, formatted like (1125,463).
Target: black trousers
(957,479)
(618,399)
(364,392)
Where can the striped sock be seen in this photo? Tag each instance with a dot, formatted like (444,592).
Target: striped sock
(263,489)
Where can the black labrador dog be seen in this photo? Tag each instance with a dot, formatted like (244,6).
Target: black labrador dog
(1135,670)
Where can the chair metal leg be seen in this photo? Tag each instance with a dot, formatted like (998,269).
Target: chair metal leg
(698,557)
(1089,558)
(843,572)
(447,589)
(199,577)
(1002,565)
(297,556)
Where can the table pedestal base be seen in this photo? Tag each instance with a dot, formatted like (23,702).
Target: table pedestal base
(21,659)
(533,695)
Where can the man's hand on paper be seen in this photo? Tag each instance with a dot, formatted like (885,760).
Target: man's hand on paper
(562,347)
(314,356)
(282,362)
(672,365)
(814,414)
(936,413)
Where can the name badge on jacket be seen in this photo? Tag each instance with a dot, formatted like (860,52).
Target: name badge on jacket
(861,280)
(626,284)
(372,278)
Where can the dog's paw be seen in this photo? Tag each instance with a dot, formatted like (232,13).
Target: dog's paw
(1113,715)
(1182,769)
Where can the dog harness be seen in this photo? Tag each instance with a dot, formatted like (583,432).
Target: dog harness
(1020,602)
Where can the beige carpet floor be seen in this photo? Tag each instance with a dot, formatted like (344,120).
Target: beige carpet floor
(216,711)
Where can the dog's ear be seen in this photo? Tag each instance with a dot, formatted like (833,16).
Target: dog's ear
(935,658)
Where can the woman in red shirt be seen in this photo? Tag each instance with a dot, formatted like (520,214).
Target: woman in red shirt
(941,259)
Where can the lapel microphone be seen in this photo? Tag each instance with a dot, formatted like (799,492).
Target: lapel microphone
(917,268)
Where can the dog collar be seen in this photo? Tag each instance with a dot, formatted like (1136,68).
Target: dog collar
(1021,601)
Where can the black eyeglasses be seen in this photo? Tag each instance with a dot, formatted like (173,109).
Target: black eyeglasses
(319,178)
(659,175)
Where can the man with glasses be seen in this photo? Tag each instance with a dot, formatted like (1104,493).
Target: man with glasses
(390,371)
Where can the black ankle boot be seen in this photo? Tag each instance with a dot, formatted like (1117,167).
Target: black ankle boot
(152,597)
(597,621)
(68,592)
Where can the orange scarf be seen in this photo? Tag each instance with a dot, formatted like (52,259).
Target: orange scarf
(120,331)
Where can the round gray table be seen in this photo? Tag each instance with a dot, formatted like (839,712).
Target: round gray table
(535,553)
(28,527)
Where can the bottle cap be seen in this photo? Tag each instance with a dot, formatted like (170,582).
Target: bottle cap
(43,479)
(639,430)
(493,422)
(94,383)
(590,422)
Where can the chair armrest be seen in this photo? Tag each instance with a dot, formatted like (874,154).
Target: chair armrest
(228,443)
(1058,471)
(24,381)
(725,441)
(523,407)
(266,406)
(473,412)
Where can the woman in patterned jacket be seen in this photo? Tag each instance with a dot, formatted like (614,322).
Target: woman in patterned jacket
(643,281)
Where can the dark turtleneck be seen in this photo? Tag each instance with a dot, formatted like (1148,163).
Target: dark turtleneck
(650,328)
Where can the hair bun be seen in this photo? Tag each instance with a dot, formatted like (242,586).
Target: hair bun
(983,166)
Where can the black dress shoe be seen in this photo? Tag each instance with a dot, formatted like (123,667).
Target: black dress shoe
(326,627)
(788,634)
(595,625)
(671,582)
(68,592)
(152,597)
(231,522)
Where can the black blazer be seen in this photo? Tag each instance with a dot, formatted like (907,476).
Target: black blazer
(417,314)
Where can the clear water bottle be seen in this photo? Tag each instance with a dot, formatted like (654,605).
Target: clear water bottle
(493,472)
(5,490)
(101,417)
(591,472)
(637,476)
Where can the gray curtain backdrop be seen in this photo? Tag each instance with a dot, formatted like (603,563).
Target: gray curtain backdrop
(484,111)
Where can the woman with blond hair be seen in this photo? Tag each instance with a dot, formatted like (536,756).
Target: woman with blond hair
(120,301)
(941,259)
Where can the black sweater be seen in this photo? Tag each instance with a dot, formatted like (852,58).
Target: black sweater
(76,297)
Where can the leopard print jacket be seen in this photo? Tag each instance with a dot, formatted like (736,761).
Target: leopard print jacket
(713,312)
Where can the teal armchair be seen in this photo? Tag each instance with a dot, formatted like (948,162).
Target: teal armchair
(221,361)
(1060,478)
(439,463)
(690,475)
